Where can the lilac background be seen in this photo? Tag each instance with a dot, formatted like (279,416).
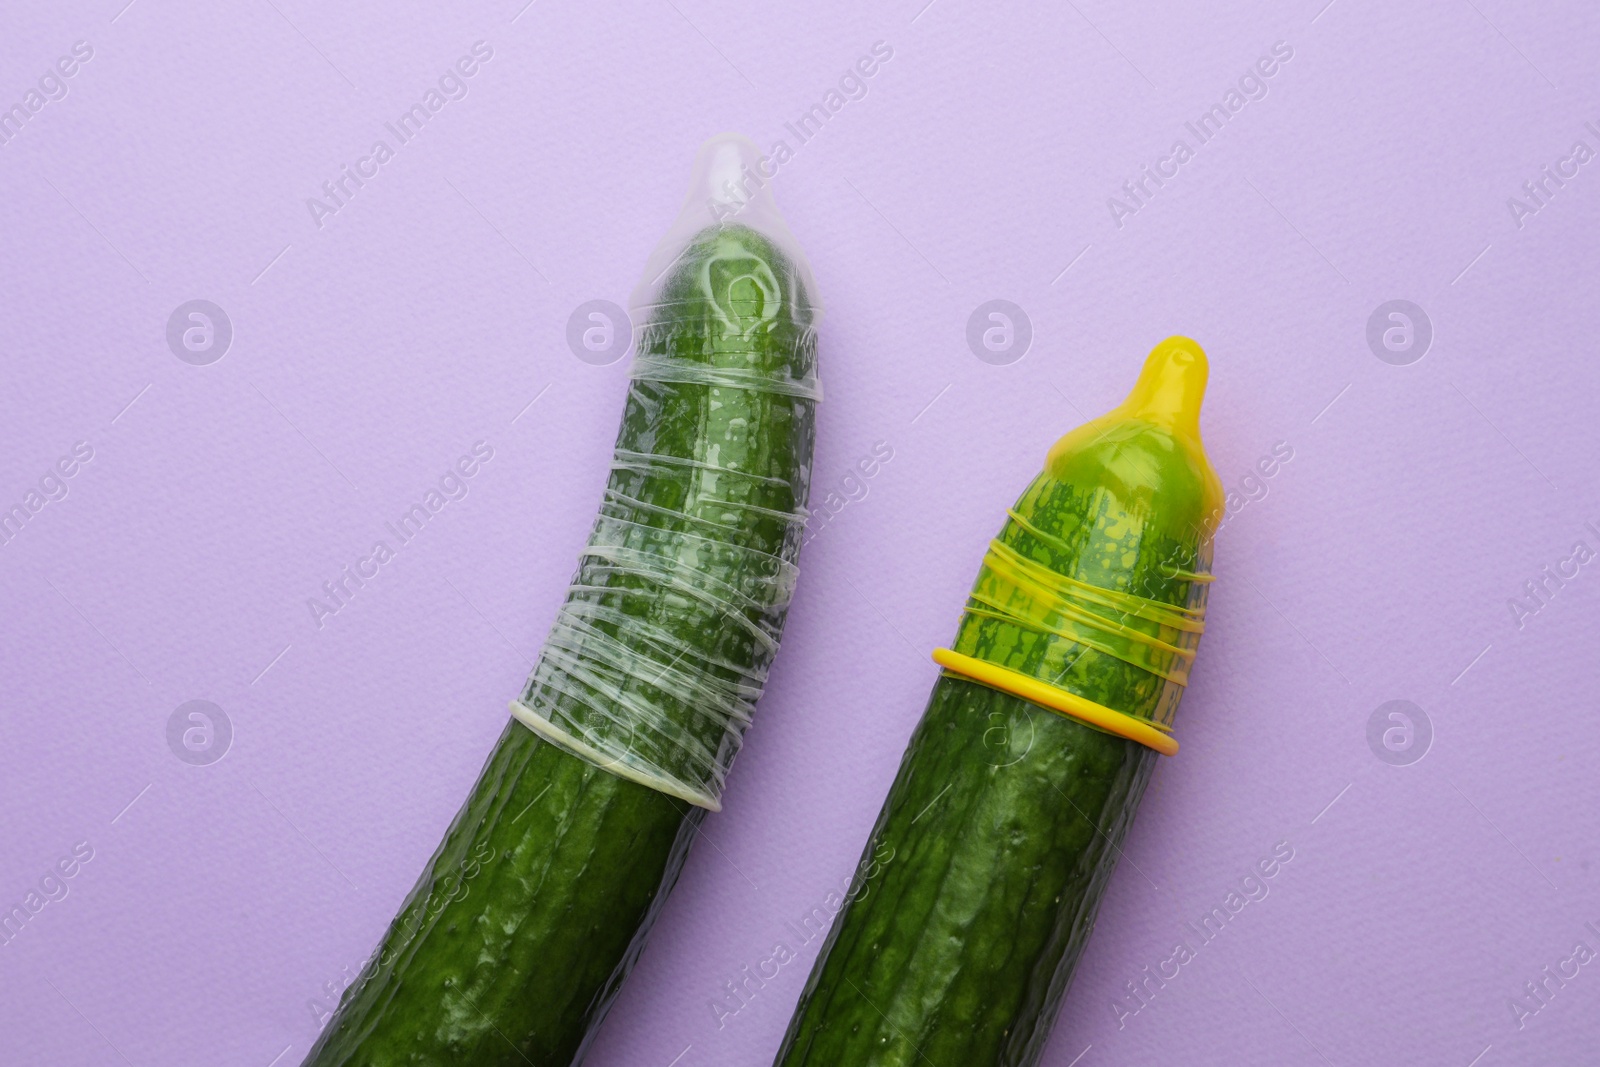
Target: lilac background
(428,314)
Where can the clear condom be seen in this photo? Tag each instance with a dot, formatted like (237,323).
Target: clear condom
(728,190)
(657,659)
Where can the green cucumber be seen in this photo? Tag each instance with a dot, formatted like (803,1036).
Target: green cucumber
(521,929)
(518,934)
(1005,819)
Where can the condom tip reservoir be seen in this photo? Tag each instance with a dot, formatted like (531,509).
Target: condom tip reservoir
(1148,448)
(730,185)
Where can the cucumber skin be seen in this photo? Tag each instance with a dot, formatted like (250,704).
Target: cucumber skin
(550,859)
(988,944)
(518,935)
(1005,821)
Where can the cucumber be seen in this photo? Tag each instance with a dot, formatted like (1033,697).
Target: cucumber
(517,936)
(980,882)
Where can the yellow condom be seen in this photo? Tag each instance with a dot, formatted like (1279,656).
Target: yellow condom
(1131,499)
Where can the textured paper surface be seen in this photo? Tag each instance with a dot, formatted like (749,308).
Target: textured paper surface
(376,340)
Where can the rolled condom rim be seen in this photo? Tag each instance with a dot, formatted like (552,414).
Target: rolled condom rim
(549,731)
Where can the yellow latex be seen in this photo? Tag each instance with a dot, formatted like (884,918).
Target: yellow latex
(1147,481)
(1151,735)
(1167,395)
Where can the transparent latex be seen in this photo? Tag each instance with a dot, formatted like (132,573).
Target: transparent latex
(662,649)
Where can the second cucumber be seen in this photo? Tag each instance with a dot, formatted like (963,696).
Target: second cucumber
(1021,780)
